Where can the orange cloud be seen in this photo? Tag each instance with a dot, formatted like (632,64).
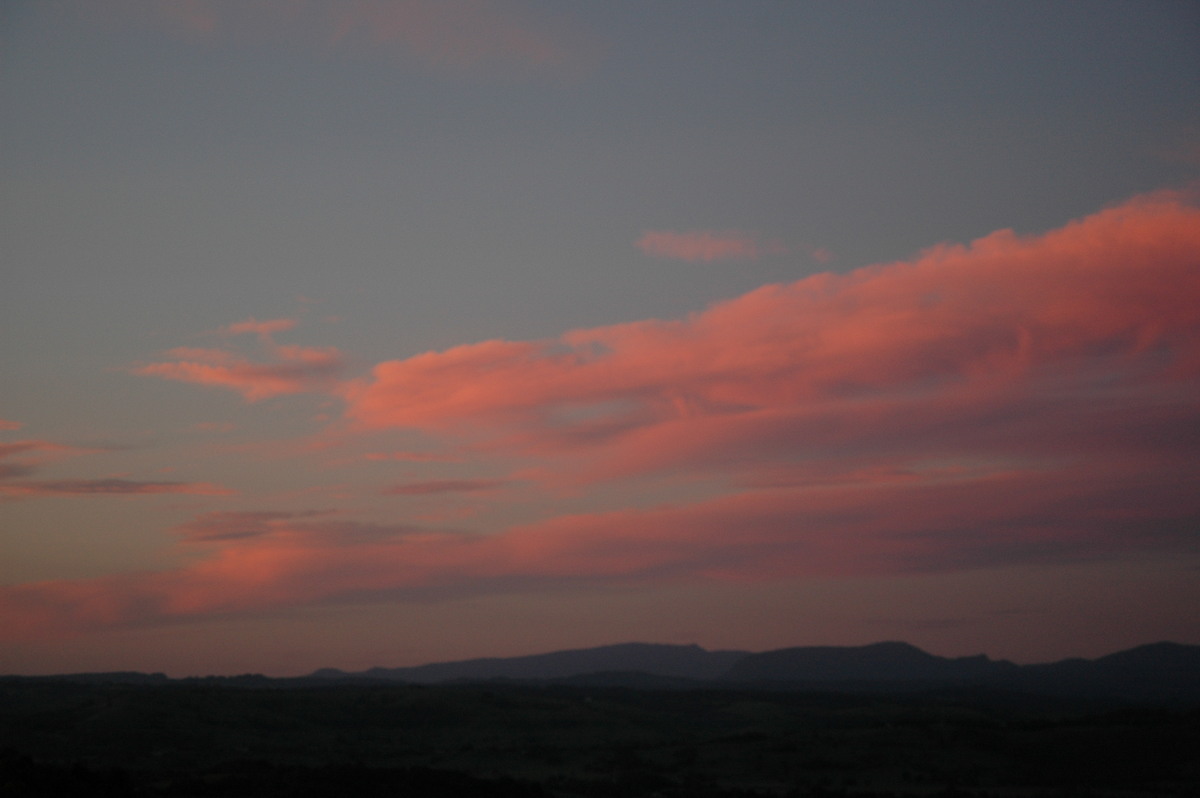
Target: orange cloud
(1079,337)
(445,486)
(411,457)
(263,329)
(223,526)
(108,487)
(706,246)
(852,524)
(1017,400)
(31,454)
(9,425)
(292,369)
(821,255)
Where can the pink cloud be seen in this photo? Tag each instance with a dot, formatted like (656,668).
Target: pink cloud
(263,329)
(857,524)
(224,526)
(1017,400)
(290,369)
(108,487)
(33,453)
(9,425)
(445,486)
(821,255)
(411,457)
(219,427)
(1078,336)
(706,246)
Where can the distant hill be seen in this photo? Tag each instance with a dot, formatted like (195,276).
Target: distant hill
(879,662)
(682,662)
(1159,673)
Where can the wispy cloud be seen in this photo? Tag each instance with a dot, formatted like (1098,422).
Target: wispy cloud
(1078,337)
(236,525)
(289,369)
(411,457)
(706,245)
(21,459)
(1015,400)
(32,453)
(445,486)
(108,487)
(265,330)
(265,559)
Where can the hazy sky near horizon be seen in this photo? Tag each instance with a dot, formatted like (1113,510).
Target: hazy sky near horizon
(376,333)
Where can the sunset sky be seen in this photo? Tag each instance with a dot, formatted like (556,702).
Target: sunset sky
(372,333)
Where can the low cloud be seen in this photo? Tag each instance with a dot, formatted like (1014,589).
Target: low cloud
(1077,342)
(108,487)
(264,560)
(29,456)
(1021,399)
(221,526)
(288,369)
(445,486)
(263,329)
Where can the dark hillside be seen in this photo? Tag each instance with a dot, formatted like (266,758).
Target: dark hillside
(204,739)
(880,662)
(687,662)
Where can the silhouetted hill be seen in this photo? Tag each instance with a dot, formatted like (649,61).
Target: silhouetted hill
(1158,672)
(686,662)
(283,739)
(879,662)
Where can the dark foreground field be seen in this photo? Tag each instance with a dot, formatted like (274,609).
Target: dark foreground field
(197,739)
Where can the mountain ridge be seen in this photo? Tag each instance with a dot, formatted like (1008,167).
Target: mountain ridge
(1164,672)
(1154,672)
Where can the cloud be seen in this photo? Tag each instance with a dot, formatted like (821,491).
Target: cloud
(9,425)
(34,453)
(706,246)
(837,527)
(445,486)
(108,487)
(1078,341)
(411,457)
(223,526)
(14,470)
(290,369)
(263,329)
(1022,399)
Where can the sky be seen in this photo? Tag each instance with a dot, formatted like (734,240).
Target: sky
(369,333)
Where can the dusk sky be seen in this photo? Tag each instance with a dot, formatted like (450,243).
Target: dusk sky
(372,333)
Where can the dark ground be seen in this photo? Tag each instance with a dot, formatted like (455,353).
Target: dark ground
(195,739)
